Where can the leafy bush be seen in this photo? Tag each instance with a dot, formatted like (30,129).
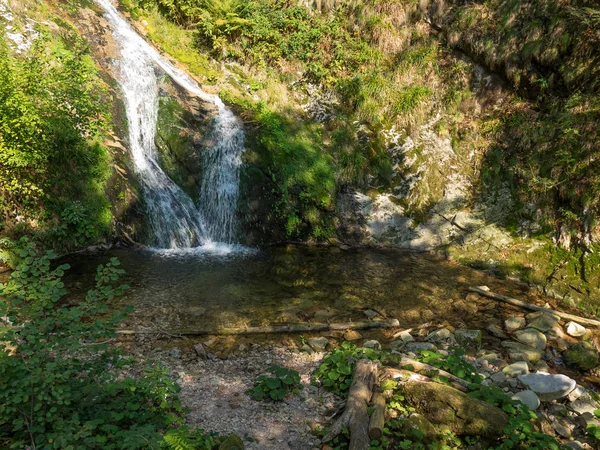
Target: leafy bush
(60,384)
(275,387)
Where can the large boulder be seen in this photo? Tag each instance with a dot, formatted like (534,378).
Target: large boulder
(448,408)
(582,356)
(548,386)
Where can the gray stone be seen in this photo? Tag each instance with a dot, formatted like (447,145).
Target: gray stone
(575,445)
(541,366)
(307,348)
(319,344)
(495,331)
(522,352)
(531,337)
(440,335)
(575,330)
(528,398)
(370,313)
(405,336)
(547,386)
(200,350)
(498,378)
(375,345)
(469,338)
(545,322)
(563,427)
(588,418)
(516,369)
(420,346)
(588,402)
(514,323)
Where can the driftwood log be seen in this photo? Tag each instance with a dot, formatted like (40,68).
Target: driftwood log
(292,328)
(377,421)
(532,307)
(356,417)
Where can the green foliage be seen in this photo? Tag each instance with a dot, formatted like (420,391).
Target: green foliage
(185,438)
(453,364)
(52,167)
(594,430)
(277,386)
(60,384)
(335,373)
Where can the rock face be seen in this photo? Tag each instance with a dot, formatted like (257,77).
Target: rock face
(547,386)
(446,407)
(582,356)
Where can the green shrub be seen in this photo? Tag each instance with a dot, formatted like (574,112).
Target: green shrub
(280,383)
(60,384)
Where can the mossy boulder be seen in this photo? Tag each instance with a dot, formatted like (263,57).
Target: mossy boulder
(233,442)
(582,356)
(448,408)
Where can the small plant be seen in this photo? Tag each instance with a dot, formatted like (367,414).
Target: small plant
(335,374)
(275,387)
(594,430)
(453,364)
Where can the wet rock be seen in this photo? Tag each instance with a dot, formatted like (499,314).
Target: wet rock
(319,344)
(446,407)
(582,356)
(352,335)
(469,338)
(522,352)
(516,369)
(575,330)
(547,386)
(233,442)
(419,346)
(514,323)
(495,331)
(531,337)
(200,351)
(528,398)
(545,322)
(439,335)
(375,345)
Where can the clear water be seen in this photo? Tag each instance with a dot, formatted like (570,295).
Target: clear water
(177,290)
(176,221)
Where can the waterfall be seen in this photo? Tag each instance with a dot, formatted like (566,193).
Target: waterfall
(175,220)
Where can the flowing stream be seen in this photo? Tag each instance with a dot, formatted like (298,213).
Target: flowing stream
(176,221)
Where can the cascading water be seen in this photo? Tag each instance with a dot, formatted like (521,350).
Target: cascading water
(174,219)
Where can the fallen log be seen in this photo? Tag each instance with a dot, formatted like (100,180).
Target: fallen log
(530,306)
(455,381)
(377,421)
(275,329)
(407,375)
(356,416)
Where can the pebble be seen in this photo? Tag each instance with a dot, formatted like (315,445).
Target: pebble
(547,386)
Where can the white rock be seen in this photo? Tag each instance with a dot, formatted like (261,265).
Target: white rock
(528,398)
(439,335)
(575,330)
(372,344)
(318,344)
(532,337)
(547,386)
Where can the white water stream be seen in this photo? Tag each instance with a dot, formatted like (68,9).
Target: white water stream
(176,221)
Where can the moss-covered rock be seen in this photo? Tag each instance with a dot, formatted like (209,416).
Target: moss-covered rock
(582,356)
(448,408)
(233,442)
